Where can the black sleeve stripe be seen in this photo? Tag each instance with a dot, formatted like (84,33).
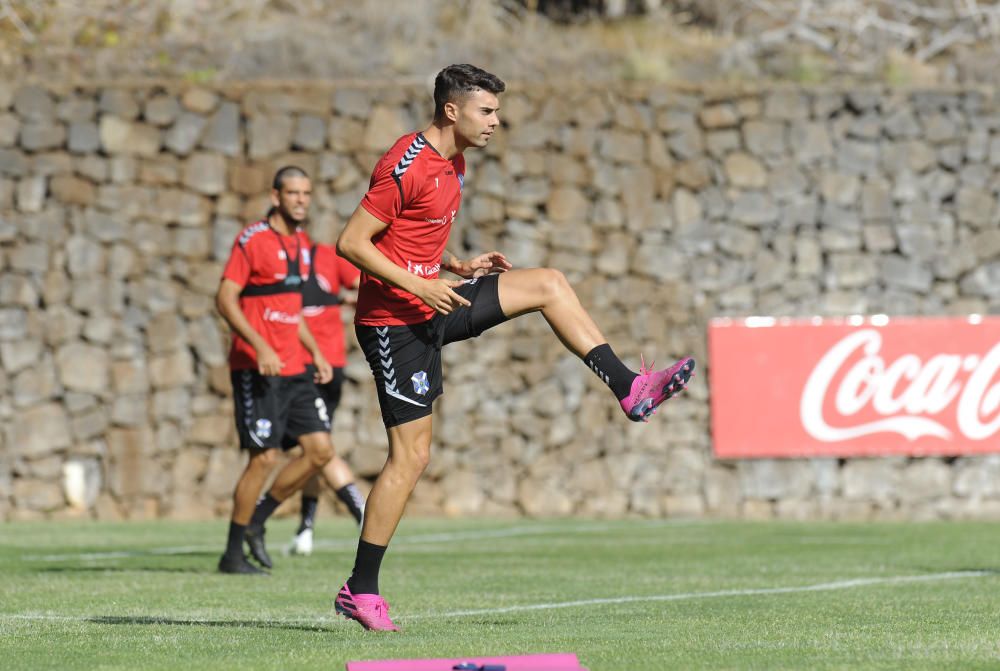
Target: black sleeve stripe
(399,184)
(404,163)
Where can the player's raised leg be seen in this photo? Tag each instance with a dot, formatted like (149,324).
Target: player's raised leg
(547,291)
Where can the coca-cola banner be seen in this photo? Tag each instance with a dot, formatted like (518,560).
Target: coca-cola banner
(859,386)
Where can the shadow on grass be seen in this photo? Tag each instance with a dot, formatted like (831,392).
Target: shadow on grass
(123,569)
(238,624)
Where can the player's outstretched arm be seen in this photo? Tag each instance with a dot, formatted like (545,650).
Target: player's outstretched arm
(355,245)
(227,300)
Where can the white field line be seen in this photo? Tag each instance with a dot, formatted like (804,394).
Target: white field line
(350,544)
(690,596)
(683,596)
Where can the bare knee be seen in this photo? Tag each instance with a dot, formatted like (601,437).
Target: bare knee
(421,459)
(553,284)
(413,459)
(263,460)
(318,450)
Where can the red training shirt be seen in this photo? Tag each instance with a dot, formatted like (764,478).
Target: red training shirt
(418,193)
(331,272)
(258,257)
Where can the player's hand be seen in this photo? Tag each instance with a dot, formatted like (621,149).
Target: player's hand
(324,371)
(484,264)
(268,362)
(439,295)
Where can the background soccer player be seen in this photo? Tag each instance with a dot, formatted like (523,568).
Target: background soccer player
(321,299)
(260,296)
(406,313)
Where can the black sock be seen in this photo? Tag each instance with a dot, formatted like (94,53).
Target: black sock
(610,369)
(263,510)
(352,498)
(234,544)
(364,578)
(308,512)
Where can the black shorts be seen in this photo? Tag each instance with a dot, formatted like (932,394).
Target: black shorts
(406,360)
(329,393)
(272,410)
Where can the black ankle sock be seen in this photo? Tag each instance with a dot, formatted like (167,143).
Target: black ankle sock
(264,508)
(308,513)
(610,369)
(352,498)
(234,544)
(364,578)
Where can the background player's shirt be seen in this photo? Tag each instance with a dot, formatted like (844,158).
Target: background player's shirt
(258,257)
(331,273)
(418,193)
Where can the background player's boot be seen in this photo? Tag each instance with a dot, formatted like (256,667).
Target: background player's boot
(239,565)
(302,544)
(369,610)
(651,388)
(254,537)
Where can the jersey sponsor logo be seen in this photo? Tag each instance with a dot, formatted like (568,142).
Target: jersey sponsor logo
(280,317)
(423,269)
(443,220)
(251,231)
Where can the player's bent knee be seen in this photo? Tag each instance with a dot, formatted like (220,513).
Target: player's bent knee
(318,449)
(264,459)
(553,283)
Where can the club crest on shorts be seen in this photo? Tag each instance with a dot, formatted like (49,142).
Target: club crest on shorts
(263,429)
(420,383)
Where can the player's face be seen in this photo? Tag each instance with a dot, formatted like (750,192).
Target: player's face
(293,198)
(476,118)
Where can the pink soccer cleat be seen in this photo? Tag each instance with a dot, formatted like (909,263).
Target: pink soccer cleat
(370,610)
(651,388)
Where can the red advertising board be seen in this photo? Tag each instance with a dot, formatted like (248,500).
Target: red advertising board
(857,386)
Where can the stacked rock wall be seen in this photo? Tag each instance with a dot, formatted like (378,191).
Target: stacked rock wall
(665,207)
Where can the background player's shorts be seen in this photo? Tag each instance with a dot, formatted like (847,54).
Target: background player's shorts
(406,360)
(329,393)
(273,410)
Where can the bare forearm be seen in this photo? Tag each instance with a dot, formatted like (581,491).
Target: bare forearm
(450,262)
(230,310)
(366,256)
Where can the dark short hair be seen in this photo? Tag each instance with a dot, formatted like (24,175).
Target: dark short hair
(286,172)
(457,81)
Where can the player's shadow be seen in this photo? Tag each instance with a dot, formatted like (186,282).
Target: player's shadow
(169,621)
(121,569)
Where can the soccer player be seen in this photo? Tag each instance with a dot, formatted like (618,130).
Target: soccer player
(321,301)
(406,313)
(260,296)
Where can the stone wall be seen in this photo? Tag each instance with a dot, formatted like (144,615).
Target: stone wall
(665,207)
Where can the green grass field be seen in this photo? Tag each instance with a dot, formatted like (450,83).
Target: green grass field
(621,595)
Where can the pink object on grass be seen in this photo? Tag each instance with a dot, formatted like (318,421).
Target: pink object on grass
(550,662)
